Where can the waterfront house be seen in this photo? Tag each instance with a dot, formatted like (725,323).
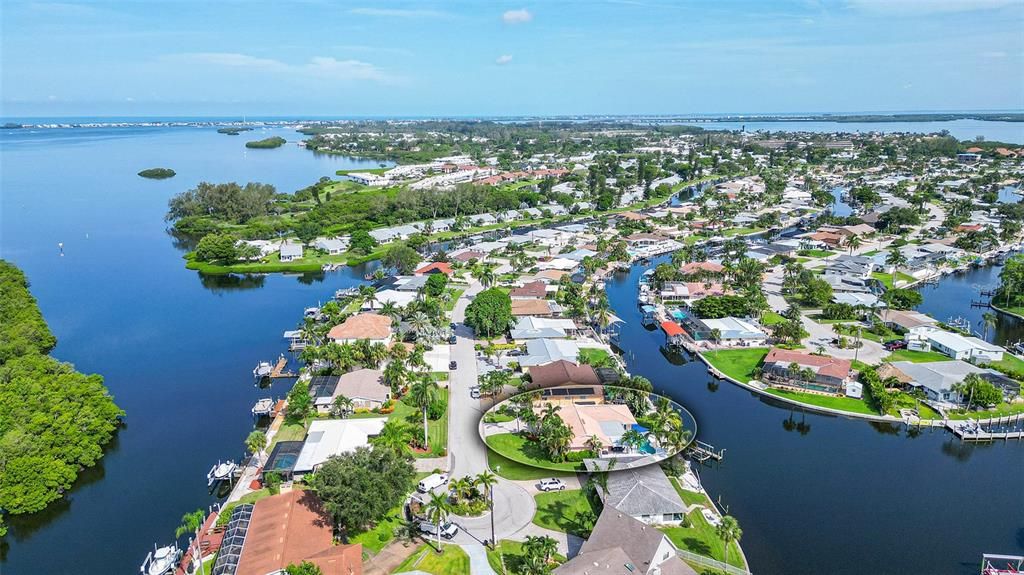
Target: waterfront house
(281,530)
(937,378)
(956,346)
(562,372)
(851,266)
(830,374)
(329,437)
(534,307)
(435,268)
(530,327)
(645,494)
(903,321)
(730,331)
(622,545)
(531,290)
(291,251)
(702,269)
(544,351)
(371,326)
(365,387)
(332,246)
(322,388)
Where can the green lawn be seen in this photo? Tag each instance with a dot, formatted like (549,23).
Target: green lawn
(311,261)
(516,471)
(690,497)
(452,561)
(771,318)
(701,538)
(906,401)
(886,279)
(738,364)
(816,253)
(594,356)
(506,558)
(375,539)
(437,430)
(456,293)
(518,448)
(225,512)
(287,432)
(567,511)
(850,404)
(916,356)
(1010,365)
(740,231)
(997,411)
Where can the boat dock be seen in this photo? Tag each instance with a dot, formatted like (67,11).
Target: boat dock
(278,372)
(1005,428)
(702,452)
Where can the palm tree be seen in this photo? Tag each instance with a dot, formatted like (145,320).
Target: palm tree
(341,406)
(395,375)
(395,436)
(549,411)
(438,509)
(896,259)
(256,442)
(376,354)
(190,522)
(594,444)
(484,274)
(461,487)
(390,309)
(728,531)
(853,243)
(368,294)
(988,320)
(422,393)
(632,439)
(419,322)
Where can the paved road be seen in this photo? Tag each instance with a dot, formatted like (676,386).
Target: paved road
(513,506)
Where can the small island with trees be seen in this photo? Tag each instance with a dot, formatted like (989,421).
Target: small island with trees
(233,131)
(267,143)
(157,173)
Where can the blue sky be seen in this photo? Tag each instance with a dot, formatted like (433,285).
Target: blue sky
(492,58)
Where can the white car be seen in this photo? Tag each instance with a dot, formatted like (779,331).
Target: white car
(448,530)
(474,392)
(551,485)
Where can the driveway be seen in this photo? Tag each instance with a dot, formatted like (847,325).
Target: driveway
(822,334)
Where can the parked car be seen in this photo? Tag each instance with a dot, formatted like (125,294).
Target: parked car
(453,340)
(431,482)
(552,484)
(448,530)
(895,344)
(453,365)
(515,352)
(474,392)
(452,325)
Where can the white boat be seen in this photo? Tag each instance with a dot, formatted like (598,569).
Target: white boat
(161,560)
(220,472)
(262,369)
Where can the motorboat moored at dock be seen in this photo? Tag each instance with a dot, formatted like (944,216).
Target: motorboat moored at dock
(161,560)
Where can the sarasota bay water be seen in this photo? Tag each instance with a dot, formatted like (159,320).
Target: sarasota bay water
(814,494)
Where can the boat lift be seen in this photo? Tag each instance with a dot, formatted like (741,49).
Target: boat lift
(222,471)
(992,564)
(161,561)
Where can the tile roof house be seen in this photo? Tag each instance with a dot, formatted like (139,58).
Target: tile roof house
(562,372)
(371,326)
(365,387)
(435,268)
(830,373)
(291,528)
(536,289)
(695,268)
(621,545)
(646,494)
(536,307)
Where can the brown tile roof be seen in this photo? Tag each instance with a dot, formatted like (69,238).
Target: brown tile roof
(363,383)
(290,528)
(534,289)
(823,365)
(442,267)
(362,326)
(470,255)
(694,267)
(553,275)
(562,372)
(521,307)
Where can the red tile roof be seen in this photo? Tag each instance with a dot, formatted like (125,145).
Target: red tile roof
(562,372)
(672,329)
(432,267)
(823,365)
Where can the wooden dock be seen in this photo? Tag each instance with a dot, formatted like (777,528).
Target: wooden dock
(278,372)
(975,430)
(703,452)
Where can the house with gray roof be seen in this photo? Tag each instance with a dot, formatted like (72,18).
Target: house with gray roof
(621,545)
(645,494)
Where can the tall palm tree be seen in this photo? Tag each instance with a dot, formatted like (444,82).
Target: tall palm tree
(896,259)
(256,442)
(422,393)
(853,243)
(438,509)
(368,294)
(728,531)
(341,406)
(395,375)
(632,439)
(376,354)
(988,320)
(549,411)
(190,522)
(419,322)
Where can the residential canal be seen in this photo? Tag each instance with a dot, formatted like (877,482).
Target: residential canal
(814,494)
(819,494)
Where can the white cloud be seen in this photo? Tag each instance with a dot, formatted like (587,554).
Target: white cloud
(503,59)
(918,7)
(318,66)
(520,16)
(399,13)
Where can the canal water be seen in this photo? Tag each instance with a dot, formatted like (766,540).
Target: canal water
(814,494)
(819,494)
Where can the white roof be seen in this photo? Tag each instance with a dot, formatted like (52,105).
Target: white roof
(957,342)
(327,437)
(733,326)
